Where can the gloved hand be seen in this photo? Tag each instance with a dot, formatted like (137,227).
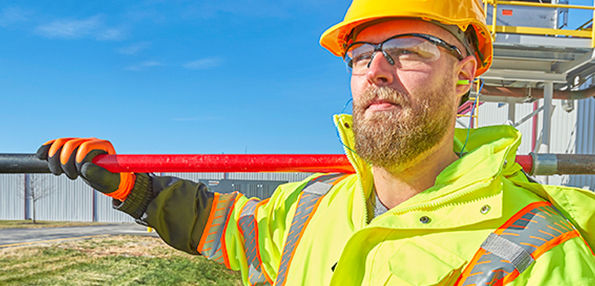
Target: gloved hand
(74,157)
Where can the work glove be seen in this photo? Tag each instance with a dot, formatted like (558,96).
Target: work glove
(74,157)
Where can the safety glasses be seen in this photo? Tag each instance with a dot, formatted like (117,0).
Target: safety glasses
(408,51)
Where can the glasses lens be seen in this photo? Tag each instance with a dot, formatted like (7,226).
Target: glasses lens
(406,52)
(358,55)
(411,51)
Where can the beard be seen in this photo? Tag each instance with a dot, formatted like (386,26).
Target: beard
(395,138)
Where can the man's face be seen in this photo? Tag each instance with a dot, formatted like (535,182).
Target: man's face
(401,112)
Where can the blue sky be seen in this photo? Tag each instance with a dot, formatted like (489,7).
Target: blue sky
(226,76)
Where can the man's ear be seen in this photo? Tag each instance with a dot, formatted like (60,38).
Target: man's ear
(465,74)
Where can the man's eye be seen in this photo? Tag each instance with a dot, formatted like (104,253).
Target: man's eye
(408,52)
(400,52)
(362,57)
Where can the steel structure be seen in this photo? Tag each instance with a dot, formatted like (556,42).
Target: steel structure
(537,56)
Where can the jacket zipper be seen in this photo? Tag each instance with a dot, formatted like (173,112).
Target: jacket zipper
(443,202)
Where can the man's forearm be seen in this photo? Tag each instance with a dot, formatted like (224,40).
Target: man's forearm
(177,209)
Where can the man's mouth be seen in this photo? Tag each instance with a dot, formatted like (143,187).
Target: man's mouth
(381,105)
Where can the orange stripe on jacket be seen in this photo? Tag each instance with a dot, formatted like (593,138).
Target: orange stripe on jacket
(223,246)
(209,222)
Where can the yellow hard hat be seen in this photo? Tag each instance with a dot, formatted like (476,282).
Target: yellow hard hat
(461,13)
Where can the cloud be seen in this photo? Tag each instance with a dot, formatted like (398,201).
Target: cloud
(143,65)
(69,28)
(202,64)
(13,15)
(266,9)
(134,48)
(92,27)
(110,34)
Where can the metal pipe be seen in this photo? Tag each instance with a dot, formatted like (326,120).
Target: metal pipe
(534,126)
(512,112)
(536,93)
(535,164)
(533,115)
(547,116)
(562,164)
(22,163)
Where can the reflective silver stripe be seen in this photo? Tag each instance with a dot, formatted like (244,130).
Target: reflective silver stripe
(212,249)
(539,226)
(249,230)
(508,250)
(311,194)
(318,188)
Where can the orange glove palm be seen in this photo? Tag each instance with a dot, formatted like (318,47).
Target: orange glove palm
(74,157)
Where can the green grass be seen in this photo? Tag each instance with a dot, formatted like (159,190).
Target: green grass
(117,260)
(40,224)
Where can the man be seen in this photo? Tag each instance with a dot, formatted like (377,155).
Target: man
(424,208)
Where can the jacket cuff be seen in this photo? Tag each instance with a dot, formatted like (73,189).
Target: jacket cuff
(137,201)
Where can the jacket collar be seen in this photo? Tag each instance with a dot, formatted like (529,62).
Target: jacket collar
(493,148)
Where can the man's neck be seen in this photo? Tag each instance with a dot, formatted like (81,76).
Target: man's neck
(393,188)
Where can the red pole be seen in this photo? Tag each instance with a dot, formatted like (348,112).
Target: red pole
(535,164)
(239,163)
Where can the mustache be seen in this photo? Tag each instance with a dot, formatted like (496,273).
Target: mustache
(383,93)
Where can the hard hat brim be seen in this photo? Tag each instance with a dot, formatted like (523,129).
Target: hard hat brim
(333,38)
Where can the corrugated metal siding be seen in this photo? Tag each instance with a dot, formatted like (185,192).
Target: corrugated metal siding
(562,137)
(106,213)
(290,177)
(585,140)
(571,132)
(491,113)
(196,176)
(68,200)
(259,185)
(526,128)
(12,202)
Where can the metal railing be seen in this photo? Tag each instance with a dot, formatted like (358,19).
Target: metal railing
(579,33)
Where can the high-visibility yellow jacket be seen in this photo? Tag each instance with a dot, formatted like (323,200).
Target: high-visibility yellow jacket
(434,238)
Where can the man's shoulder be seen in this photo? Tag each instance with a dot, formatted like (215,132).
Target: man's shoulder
(331,179)
(292,190)
(570,262)
(573,207)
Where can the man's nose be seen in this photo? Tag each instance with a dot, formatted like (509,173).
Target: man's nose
(380,71)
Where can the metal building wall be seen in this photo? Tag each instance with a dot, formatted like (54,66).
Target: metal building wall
(585,140)
(12,202)
(196,176)
(67,200)
(491,113)
(104,211)
(250,184)
(291,177)
(571,132)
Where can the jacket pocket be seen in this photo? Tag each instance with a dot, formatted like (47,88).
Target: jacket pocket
(420,262)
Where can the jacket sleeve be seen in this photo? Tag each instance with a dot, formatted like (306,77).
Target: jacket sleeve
(177,209)
(244,234)
(569,263)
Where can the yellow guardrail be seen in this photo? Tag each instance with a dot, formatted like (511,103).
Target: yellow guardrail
(580,33)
